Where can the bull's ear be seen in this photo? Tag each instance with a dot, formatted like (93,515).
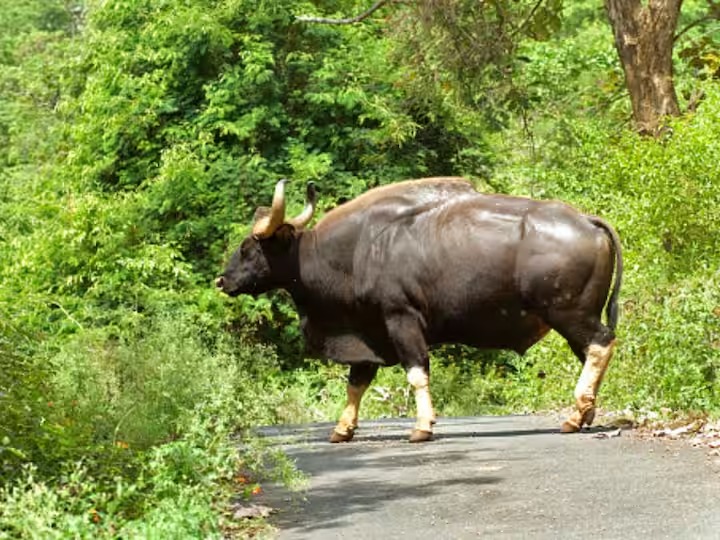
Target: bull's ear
(285,232)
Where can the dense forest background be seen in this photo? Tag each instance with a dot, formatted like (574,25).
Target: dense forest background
(137,137)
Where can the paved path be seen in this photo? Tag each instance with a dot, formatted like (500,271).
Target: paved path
(494,477)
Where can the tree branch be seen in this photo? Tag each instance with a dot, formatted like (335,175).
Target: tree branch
(693,25)
(351,20)
(528,19)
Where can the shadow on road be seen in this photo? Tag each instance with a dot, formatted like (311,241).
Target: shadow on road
(353,458)
(394,430)
(379,467)
(333,506)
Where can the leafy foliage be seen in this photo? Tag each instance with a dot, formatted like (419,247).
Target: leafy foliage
(137,137)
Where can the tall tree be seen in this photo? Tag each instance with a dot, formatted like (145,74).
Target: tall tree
(644,34)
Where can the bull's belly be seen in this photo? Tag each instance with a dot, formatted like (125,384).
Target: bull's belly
(360,341)
(501,329)
(348,343)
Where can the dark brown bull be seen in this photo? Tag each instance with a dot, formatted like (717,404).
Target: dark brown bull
(422,262)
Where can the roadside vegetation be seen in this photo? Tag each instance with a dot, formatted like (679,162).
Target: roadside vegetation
(137,137)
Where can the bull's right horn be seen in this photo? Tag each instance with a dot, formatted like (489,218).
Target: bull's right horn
(304,217)
(267,225)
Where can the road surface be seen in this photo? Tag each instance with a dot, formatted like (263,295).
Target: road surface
(494,477)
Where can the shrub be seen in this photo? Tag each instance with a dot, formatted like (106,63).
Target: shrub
(138,434)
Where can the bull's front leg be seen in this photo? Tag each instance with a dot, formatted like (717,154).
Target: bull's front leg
(359,379)
(419,379)
(410,345)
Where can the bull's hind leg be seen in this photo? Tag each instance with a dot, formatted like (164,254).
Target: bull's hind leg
(361,375)
(597,358)
(593,344)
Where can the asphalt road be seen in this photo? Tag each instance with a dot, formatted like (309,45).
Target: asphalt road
(494,477)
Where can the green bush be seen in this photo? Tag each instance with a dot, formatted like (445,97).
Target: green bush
(138,434)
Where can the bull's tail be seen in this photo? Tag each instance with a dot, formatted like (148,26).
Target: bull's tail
(611,309)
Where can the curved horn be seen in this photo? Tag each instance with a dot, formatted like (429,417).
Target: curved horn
(267,225)
(304,217)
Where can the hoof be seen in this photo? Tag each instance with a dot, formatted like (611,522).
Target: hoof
(577,420)
(569,426)
(419,435)
(589,417)
(336,437)
(583,415)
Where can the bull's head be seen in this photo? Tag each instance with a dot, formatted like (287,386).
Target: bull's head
(264,260)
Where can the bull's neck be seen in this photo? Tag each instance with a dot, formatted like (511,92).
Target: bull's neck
(320,278)
(301,250)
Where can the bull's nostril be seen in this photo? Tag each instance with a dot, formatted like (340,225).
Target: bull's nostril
(219,282)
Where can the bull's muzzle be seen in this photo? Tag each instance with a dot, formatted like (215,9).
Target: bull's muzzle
(219,282)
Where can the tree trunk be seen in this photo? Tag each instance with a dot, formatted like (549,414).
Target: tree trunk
(644,41)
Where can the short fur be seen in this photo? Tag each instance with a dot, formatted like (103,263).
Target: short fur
(418,263)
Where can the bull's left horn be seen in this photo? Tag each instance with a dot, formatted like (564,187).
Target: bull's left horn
(304,217)
(266,226)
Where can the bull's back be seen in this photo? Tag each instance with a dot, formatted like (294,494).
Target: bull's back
(384,203)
